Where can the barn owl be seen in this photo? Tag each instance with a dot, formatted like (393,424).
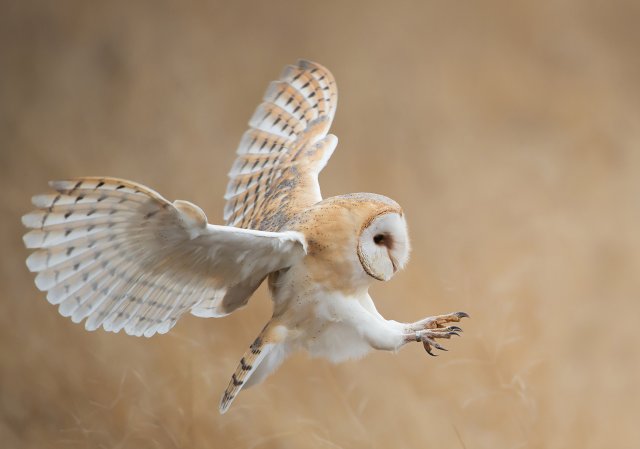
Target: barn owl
(122,257)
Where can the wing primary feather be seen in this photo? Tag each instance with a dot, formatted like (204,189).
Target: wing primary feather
(295,115)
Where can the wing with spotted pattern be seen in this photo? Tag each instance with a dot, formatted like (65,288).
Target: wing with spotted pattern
(282,153)
(123,257)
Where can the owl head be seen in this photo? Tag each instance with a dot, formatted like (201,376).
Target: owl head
(360,237)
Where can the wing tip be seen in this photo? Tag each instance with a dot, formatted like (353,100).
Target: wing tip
(301,64)
(57,184)
(306,64)
(33,239)
(32,220)
(44,282)
(224,404)
(35,262)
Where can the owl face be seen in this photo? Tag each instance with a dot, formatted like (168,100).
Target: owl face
(353,240)
(383,245)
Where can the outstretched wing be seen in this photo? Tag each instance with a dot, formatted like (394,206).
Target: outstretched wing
(280,156)
(123,257)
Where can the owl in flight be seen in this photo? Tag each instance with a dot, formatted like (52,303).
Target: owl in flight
(123,257)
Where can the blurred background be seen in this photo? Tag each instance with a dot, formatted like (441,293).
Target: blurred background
(508,130)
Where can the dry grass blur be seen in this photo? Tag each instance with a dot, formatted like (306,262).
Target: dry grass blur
(508,130)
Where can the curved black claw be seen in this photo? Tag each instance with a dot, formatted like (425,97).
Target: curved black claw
(435,328)
(442,348)
(427,347)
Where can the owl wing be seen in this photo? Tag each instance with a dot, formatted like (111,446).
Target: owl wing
(283,151)
(123,257)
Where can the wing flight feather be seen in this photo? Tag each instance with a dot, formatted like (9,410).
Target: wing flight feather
(122,257)
(284,149)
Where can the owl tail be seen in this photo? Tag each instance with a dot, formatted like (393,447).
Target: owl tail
(266,346)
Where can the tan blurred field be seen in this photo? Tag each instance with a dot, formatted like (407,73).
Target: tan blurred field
(510,133)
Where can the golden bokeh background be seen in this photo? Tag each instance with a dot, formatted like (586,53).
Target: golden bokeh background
(508,130)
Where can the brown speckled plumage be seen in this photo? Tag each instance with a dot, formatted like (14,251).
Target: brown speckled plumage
(286,146)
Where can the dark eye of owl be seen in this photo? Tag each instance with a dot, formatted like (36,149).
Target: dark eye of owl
(378,239)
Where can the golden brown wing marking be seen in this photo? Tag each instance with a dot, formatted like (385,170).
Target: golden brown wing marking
(278,159)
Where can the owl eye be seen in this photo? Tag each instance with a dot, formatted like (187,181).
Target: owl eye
(383,246)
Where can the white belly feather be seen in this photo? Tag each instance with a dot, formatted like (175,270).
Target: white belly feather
(326,324)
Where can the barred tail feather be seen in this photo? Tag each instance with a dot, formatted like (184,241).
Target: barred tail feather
(249,362)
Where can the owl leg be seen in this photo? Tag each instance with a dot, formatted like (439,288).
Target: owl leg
(391,335)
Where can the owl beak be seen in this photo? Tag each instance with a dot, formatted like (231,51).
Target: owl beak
(394,264)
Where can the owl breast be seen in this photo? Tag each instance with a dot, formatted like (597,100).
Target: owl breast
(333,335)
(320,320)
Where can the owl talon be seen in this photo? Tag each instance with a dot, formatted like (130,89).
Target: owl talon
(428,343)
(428,336)
(450,330)
(427,347)
(430,353)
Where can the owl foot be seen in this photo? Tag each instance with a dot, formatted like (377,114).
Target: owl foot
(428,338)
(431,328)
